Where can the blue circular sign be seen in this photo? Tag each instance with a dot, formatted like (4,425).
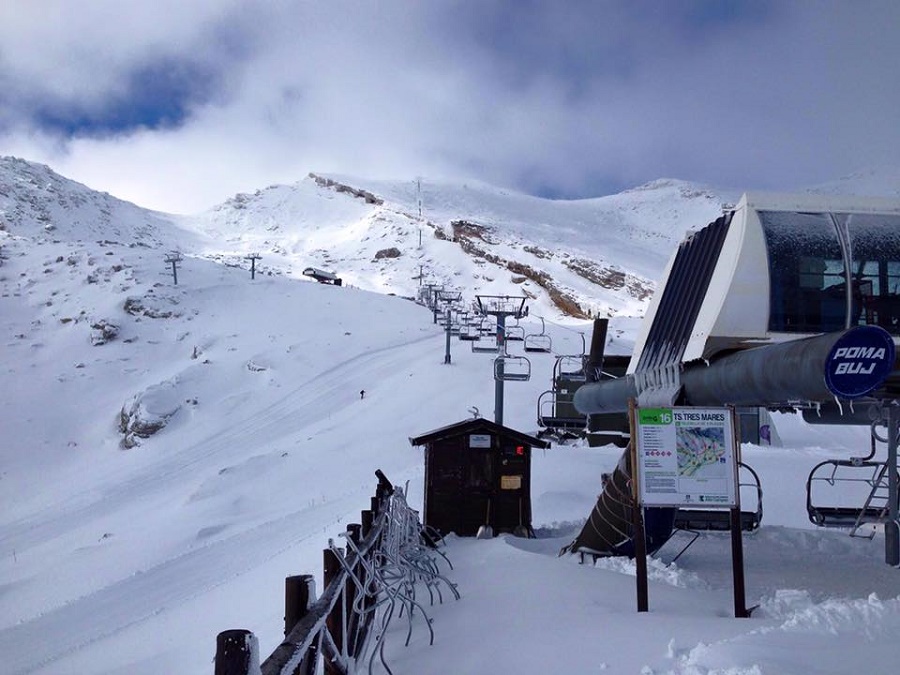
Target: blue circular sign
(859,362)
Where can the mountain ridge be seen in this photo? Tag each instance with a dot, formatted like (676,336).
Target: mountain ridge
(572,259)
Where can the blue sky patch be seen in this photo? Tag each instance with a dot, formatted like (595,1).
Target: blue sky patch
(160,95)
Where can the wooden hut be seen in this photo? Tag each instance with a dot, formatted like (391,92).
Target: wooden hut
(478,475)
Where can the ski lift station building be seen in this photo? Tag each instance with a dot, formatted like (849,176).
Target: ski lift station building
(779,267)
(477,473)
(774,270)
(785,302)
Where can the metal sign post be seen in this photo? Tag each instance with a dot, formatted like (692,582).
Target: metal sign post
(892,526)
(447,345)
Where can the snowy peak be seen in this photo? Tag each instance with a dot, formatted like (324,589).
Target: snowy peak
(572,258)
(873,182)
(569,258)
(35,200)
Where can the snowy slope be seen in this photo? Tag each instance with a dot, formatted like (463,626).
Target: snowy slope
(603,254)
(35,201)
(124,554)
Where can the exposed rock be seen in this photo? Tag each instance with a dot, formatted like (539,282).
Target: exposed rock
(149,307)
(465,232)
(610,277)
(392,252)
(464,229)
(148,413)
(538,252)
(368,197)
(102,332)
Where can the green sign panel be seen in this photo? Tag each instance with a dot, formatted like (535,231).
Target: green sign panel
(686,457)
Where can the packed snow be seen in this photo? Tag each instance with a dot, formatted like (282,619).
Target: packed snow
(124,553)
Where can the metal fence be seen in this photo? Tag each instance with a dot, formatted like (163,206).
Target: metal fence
(374,578)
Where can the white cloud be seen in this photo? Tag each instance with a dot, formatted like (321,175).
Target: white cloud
(578,98)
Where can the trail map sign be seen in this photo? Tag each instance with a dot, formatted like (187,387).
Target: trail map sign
(686,457)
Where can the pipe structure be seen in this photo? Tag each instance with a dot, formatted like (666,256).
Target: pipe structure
(763,376)
(609,530)
(598,347)
(771,375)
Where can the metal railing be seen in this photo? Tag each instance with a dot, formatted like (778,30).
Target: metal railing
(369,582)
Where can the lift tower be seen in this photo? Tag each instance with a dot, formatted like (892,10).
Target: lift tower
(501,306)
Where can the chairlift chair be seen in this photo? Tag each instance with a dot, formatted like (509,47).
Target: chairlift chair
(693,521)
(570,367)
(837,493)
(487,327)
(515,333)
(557,412)
(539,342)
(859,481)
(697,519)
(480,346)
(512,368)
(469,332)
(556,409)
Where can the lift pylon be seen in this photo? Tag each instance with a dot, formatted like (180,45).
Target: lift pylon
(501,307)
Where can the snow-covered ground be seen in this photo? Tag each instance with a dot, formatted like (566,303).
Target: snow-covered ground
(118,559)
(130,561)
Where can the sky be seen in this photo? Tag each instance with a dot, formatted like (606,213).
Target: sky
(177,106)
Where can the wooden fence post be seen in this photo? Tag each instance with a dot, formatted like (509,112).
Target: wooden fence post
(367,520)
(236,652)
(299,595)
(334,624)
(354,534)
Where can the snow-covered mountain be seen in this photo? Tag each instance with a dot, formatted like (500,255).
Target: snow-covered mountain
(169,453)
(572,259)
(37,202)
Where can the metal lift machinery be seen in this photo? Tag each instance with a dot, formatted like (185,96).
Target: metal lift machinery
(785,302)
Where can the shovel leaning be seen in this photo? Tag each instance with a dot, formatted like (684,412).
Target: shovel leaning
(486,531)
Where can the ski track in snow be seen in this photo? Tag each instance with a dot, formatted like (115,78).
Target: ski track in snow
(161,587)
(295,411)
(174,581)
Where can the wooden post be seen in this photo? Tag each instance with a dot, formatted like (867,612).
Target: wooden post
(737,532)
(299,595)
(354,534)
(637,520)
(236,653)
(367,520)
(334,624)
(737,565)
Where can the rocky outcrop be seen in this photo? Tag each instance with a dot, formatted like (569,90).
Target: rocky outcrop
(153,307)
(610,277)
(147,413)
(331,184)
(103,331)
(392,252)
